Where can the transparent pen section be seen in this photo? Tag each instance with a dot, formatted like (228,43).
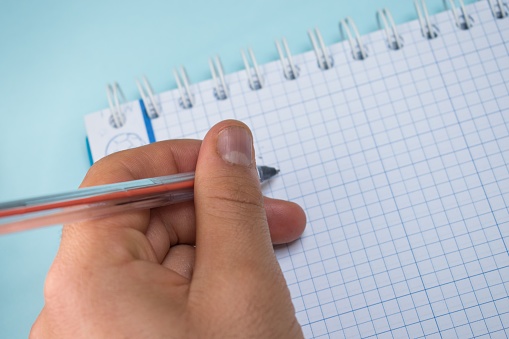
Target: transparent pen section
(91,211)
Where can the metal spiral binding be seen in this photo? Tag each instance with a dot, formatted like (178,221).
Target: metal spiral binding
(463,20)
(220,90)
(117,118)
(186,97)
(499,9)
(147,96)
(428,30)
(386,22)
(255,79)
(291,71)
(358,50)
(323,57)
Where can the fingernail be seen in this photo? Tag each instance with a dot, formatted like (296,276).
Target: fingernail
(234,144)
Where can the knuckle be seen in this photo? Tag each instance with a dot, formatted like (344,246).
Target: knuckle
(234,201)
(234,212)
(234,198)
(234,190)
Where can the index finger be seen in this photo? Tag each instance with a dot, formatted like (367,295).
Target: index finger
(168,225)
(113,233)
(157,159)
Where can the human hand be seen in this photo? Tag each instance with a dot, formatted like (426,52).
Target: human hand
(138,274)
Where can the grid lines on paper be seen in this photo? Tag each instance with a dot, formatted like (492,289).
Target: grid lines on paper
(176,122)
(400,162)
(471,277)
(498,153)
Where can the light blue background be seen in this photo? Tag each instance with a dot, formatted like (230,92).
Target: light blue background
(57,56)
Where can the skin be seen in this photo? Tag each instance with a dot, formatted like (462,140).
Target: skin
(203,269)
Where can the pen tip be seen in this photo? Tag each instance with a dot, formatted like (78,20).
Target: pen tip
(266,172)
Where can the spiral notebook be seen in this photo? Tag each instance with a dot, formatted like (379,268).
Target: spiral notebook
(396,143)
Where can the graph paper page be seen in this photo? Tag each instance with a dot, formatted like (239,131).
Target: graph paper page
(400,162)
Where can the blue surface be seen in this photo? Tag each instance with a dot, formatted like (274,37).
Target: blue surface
(57,56)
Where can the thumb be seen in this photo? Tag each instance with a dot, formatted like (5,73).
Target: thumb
(232,233)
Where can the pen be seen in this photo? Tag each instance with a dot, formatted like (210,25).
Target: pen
(99,201)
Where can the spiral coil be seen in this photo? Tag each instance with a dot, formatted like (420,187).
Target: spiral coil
(428,30)
(499,9)
(254,77)
(117,118)
(323,56)
(186,97)
(463,20)
(386,22)
(291,71)
(347,25)
(147,96)
(220,88)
